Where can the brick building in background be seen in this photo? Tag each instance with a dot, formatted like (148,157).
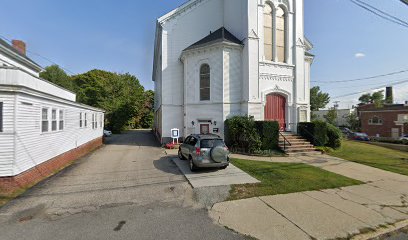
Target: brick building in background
(389,121)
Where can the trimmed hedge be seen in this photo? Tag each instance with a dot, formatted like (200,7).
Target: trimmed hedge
(241,134)
(269,133)
(320,134)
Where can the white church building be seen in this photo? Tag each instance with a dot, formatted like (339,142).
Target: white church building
(215,59)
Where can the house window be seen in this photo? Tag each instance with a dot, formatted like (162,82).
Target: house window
(101,121)
(44,120)
(375,121)
(93,121)
(80,120)
(86,120)
(61,120)
(205,82)
(281,34)
(268,32)
(54,120)
(1,117)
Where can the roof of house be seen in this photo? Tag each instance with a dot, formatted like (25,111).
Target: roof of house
(221,35)
(19,56)
(385,107)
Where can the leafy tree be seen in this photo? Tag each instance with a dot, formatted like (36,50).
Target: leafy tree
(57,76)
(318,99)
(331,116)
(376,98)
(120,95)
(353,121)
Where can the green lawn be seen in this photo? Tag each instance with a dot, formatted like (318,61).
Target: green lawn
(375,156)
(281,178)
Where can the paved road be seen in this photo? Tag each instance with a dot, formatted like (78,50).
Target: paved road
(128,189)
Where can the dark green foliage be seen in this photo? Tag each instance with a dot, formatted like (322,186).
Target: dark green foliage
(320,134)
(120,95)
(241,134)
(377,98)
(334,136)
(269,134)
(57,76)
(331,116)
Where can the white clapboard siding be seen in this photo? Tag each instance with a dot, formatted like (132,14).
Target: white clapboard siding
(7,136)
(34,147)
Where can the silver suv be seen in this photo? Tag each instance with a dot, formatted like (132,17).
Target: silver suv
(204,151)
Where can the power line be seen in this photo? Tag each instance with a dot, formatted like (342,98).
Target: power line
(380,13)
(39,55)
(371,89)
(364,78)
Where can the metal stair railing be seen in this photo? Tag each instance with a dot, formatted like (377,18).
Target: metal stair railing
(285,140)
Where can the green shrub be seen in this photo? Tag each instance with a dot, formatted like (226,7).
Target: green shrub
(334,136)
(320,134)
(241,133)
(269,134)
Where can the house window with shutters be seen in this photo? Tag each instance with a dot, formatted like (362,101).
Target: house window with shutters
(205,78)
(44,120)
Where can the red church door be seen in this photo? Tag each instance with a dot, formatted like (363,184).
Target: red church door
(275,109)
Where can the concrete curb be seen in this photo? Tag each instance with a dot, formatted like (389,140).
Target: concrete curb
(379,232)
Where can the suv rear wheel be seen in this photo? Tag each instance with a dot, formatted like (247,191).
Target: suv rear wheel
(193,167)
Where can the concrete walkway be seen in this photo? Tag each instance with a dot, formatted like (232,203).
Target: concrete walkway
(326,214)
(214,177)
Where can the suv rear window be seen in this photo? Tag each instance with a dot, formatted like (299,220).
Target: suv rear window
(210,143)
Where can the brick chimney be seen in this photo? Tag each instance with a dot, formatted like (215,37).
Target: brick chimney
(20,46)
(389,95)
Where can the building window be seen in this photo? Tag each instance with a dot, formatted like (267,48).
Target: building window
(86,120)
(375,121)
(44,120)
(54,120)
(205,82)
(268,32)
(281,34)
(1,117)
(101,120)
(94,121)
(61,120)
(80,120)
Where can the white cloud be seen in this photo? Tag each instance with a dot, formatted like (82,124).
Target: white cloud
(359,55)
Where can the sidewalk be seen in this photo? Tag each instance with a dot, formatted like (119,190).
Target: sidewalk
(326,214)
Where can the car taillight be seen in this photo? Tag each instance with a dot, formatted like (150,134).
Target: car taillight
(198,151)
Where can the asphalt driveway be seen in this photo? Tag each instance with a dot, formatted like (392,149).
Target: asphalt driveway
(128,189)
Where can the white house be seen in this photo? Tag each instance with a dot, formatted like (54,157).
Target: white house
(342,119)
(215,59)
(42,128)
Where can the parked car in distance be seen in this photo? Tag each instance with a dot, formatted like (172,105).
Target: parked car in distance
(204,151)
(107,133)
(360,137)
(346,131)
(405,137)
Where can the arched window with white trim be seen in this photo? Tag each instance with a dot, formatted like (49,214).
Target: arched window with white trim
(281,18)
(268,32)
(205,78)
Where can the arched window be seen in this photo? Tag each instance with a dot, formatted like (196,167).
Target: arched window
(375,121)
(205,82)
(268,32)
(281,34)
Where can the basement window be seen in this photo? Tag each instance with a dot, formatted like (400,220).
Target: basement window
(1,117)
(44,120)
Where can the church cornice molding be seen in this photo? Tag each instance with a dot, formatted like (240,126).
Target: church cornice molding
(179,11)
(274,77)
(278,65)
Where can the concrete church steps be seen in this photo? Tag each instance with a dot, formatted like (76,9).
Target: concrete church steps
(298,145)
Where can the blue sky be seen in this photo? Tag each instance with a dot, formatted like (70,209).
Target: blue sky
(118,36)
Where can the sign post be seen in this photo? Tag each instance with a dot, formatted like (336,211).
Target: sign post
(175,135)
